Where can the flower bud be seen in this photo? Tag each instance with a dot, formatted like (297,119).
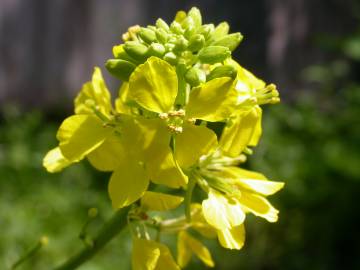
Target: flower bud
(195,15)
(180,44)
(120,68)
(213,54)
(176,28)
(196,43)
(161,35)
(222,71)
(194,76)
(119,53)
(171,58)
(231,41)
(136,50)
(147,35)
(160,23)
(156,49)
(221,30)
(207,30)
(180,16)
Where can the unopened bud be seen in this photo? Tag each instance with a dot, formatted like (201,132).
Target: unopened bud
(171,58)
(136,50)
(147,35)
(120,68)
(222,71)
(221,30)
(231,41)
(176,28)
(195,14)
(44,240)
(156,49)
(194,76)
(180,44)
(207,30)
(196,43)
(119,53)
(214,54)
(161,35)
(160,23)
(180,16)
(93,212)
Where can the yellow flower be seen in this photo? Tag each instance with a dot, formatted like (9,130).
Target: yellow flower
(151,255)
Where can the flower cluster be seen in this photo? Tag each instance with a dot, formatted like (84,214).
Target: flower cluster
(178,80)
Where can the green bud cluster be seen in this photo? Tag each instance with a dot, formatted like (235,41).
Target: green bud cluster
(186,43)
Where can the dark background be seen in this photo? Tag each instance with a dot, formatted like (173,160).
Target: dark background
(309,48)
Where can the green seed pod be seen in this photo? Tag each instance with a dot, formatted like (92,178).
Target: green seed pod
(207,30)
(120,68)
(156,49)
(195,14)
(161,35)
(147,35)
(213,54)
(160,23)
(136,50)
(171,58)
(181,44)
(222,71)
(221,30)
(176,28)
(196,43)
(194,76)
(231,41)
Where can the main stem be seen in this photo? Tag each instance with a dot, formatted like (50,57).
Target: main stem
(108,231)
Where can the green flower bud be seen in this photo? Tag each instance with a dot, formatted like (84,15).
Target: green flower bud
(156,49)
(180,16)
(213,54)
(161,35)
(171,58)
(120,68)
(231,41)
(222,71)
(188,23)
(176,28)
(195,14)
(207,30)
(119,53)
(161,24)
(194,76)
(136,50)
(147,35)
(196,43)
(221,30)
(181,44)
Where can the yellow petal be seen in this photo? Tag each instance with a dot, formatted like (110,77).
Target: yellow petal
(128,183)
(166,260)
(242,132)
(54,161)
(252,181)
(259,206)
(153,85)
(120,102)
(152,139)
(192,143)
(199,223)
(255,137)
(106,157)
(145,254)
(154,201)
(97,92)
(214,101)
(80,134)
(183,252)
(233,238)
(197,248)
(222,213)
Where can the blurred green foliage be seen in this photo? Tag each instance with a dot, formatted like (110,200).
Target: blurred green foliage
(311,143)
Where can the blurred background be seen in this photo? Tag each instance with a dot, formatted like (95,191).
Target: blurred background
(309,48)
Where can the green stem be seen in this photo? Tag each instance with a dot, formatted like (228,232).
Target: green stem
(188,197)
(108,231)
(30,253)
